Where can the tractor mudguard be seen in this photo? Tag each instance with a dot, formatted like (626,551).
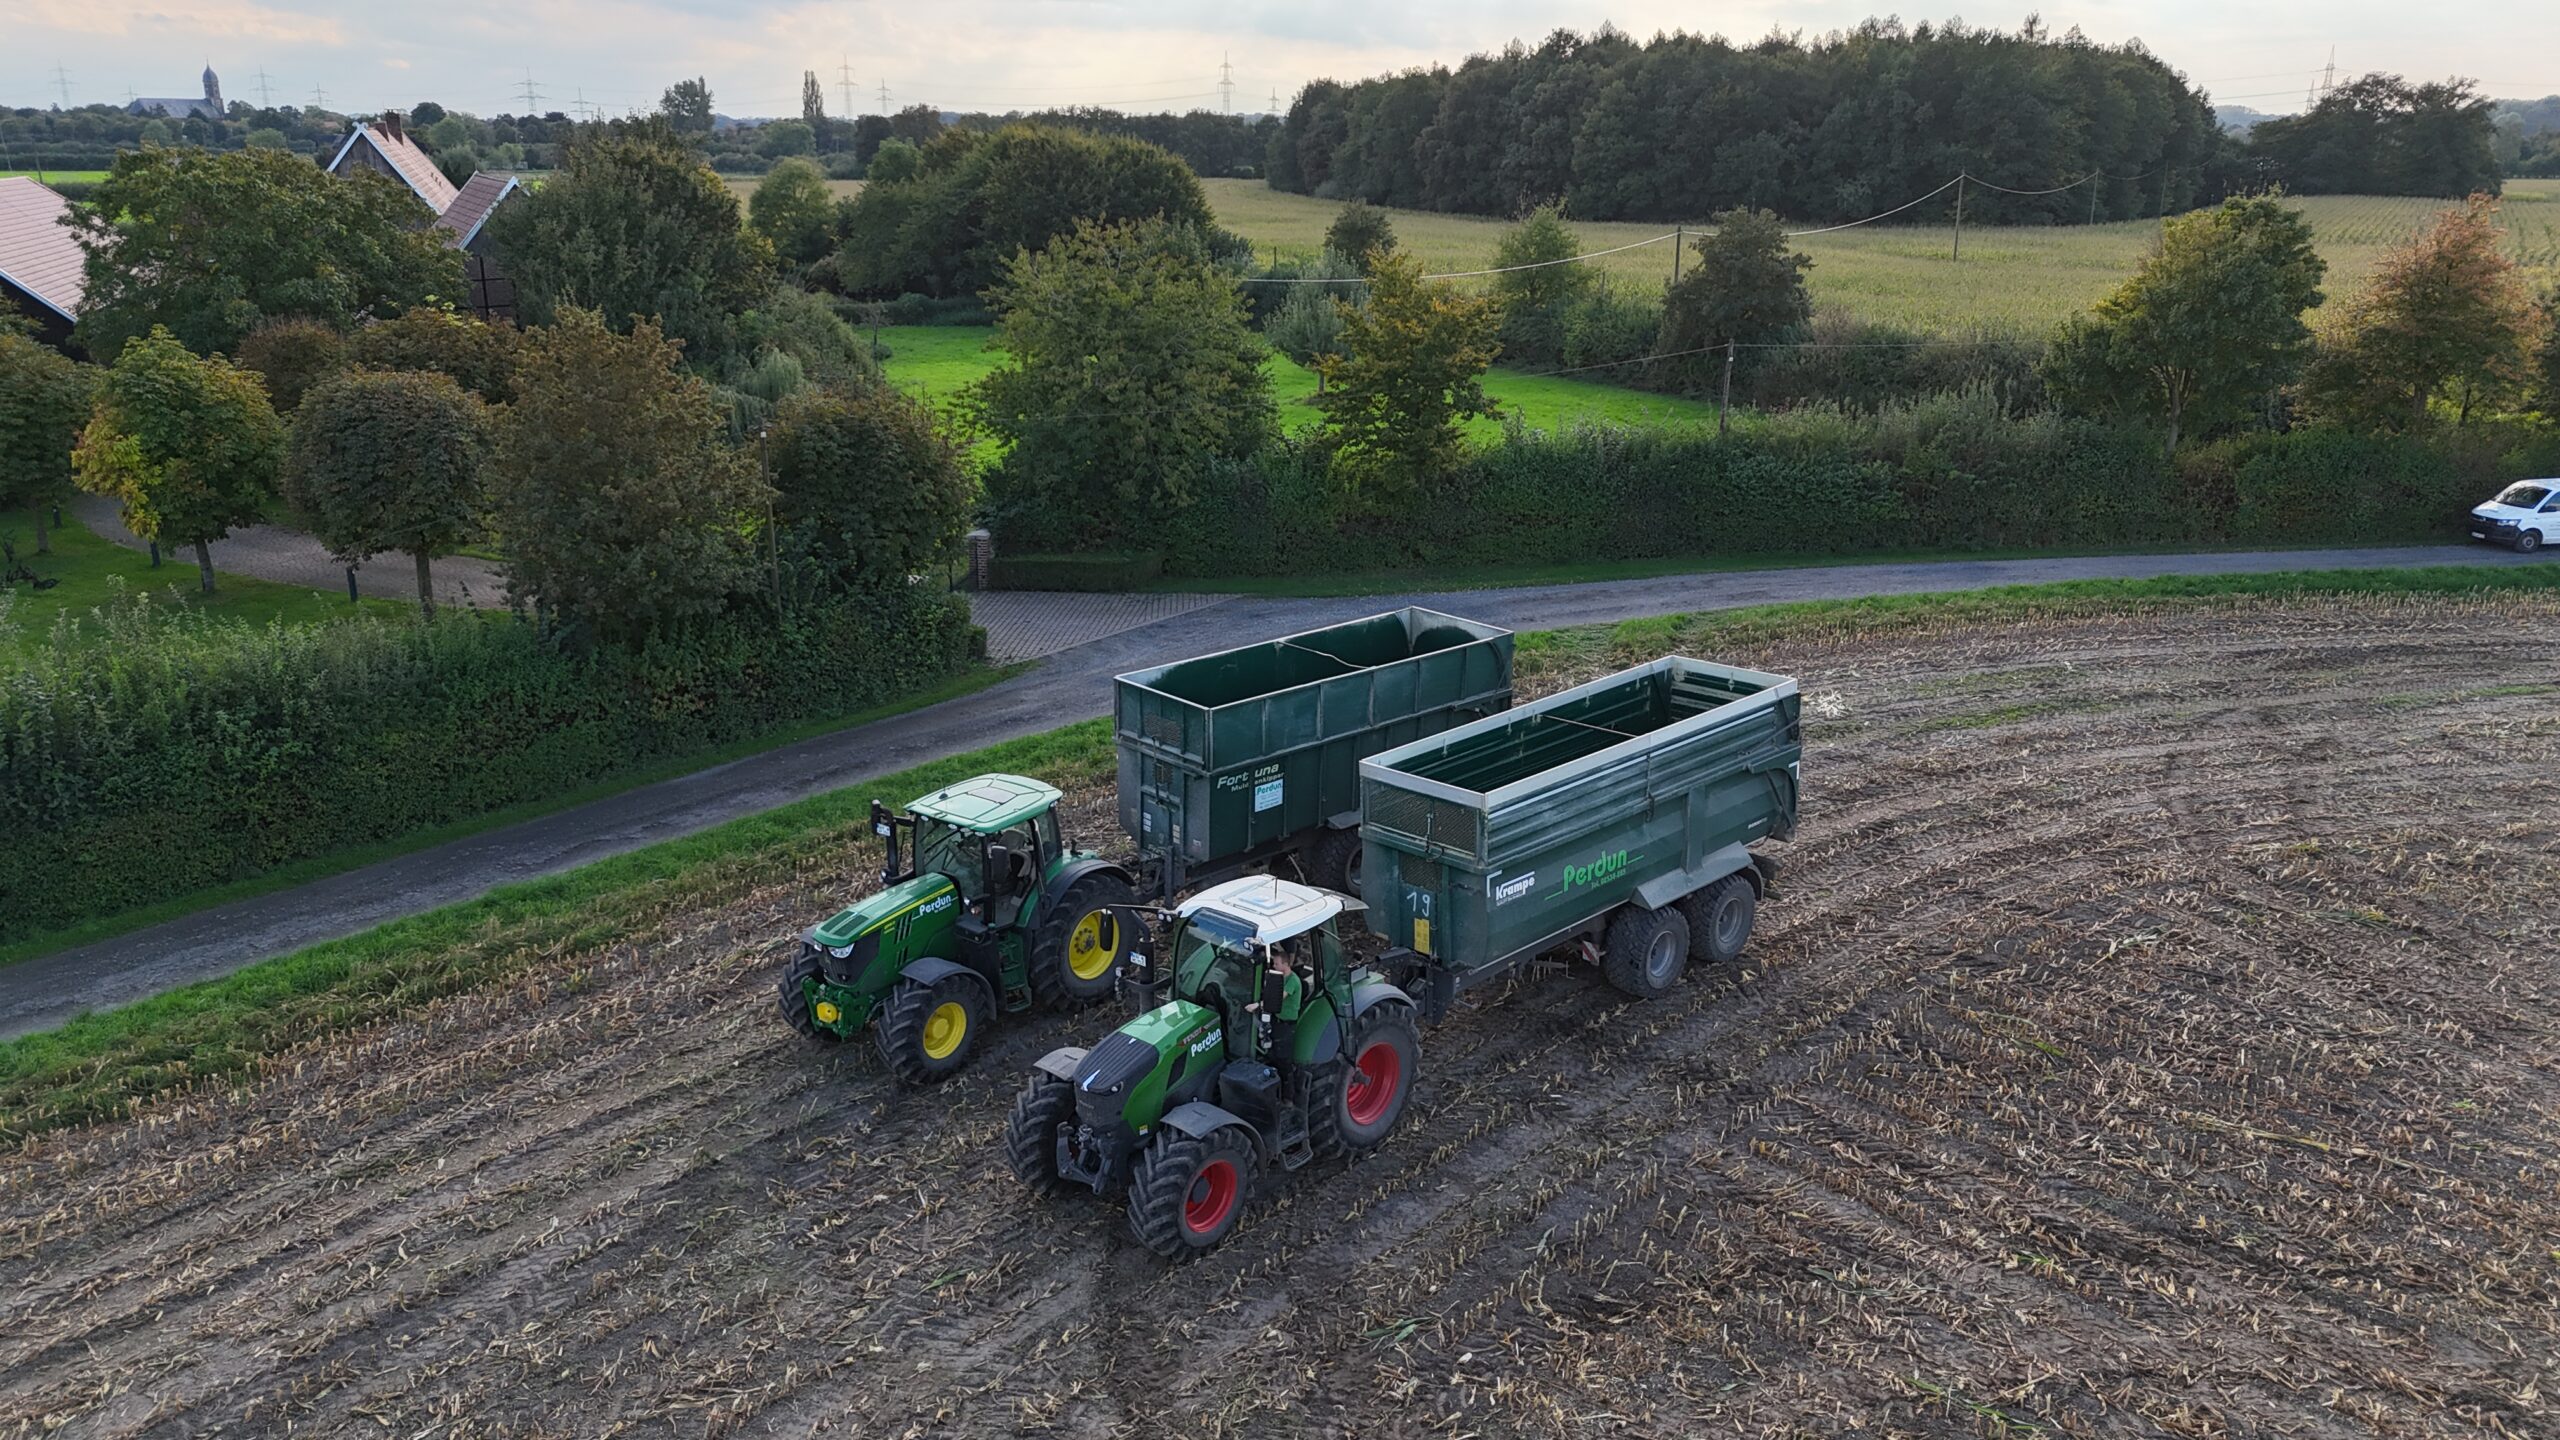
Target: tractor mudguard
(1764,873)
(933,971)
(1075,870)
(1199,1119)
(1061,1063)
(1369,992)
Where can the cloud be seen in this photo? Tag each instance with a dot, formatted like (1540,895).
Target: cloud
(212,19)
(395,62)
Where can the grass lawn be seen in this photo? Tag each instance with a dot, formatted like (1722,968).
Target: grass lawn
(98,1064)
(745,186)
(60,177)
(2029,276)
(94,571)
(936,361)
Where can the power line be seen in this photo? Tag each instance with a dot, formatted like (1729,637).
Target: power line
(884,95)
(319,98)
(263,102)
(532,97)
(62,82)
(1226,85)
(844,79)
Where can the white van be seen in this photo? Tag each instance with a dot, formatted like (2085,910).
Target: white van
(2526,515)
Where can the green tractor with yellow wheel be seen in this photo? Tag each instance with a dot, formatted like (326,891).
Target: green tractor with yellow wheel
(1259,1047)
(983,910)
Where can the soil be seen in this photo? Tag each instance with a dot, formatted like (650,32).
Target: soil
(2154,1033)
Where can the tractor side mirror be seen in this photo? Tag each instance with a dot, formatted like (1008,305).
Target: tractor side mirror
(1000,861)
(885,825)
(1140,983)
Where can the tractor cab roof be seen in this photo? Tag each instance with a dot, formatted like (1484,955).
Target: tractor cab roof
(988,803)
(1272,908)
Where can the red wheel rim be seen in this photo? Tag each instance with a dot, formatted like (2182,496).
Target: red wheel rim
(1374,1084)
(1212,1197)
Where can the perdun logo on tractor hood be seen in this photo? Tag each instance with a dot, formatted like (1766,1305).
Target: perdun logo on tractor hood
(922,895)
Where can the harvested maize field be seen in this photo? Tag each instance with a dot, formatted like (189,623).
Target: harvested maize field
(2157,1032)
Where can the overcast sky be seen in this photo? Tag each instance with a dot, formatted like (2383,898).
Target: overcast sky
(1132,54)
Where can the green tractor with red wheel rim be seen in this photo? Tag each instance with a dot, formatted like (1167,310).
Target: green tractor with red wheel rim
(984,910)
(1258,1048)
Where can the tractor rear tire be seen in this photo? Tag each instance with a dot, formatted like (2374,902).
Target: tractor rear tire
(1646,951)
(1077,943)
(1188,1194)
(1359,1099)
(793,995)
(1720,919)
(1031,1130)
(928,1033)
(1333,862)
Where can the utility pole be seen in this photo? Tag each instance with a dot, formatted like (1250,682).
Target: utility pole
(319,98)
(263,102)
(884,96)
(1275,100)
(62,82)
(1959,215)
(532,97)
(1226,85)
(1724,407)
(844,83)
(2093,198)
(1679,242)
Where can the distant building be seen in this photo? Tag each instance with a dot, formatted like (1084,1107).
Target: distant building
(385,148)
(209,107)
(462,214)
(41,264)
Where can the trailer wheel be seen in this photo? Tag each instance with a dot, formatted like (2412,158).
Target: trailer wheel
(1358,1100)
(793,995)
(1646,951)
(1077,942)
(1334,861)
(1720,919)
(929,1032)
(1188,1194)
(1031,1130)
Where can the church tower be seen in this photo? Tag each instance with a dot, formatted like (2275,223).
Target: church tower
(213,91)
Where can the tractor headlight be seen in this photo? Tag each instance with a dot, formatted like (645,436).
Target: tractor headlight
(841,952)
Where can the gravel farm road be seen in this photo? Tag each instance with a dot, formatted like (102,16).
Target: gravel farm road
(1072,684)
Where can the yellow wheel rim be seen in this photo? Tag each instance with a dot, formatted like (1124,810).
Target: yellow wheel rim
(1090,945)
(827,1012)
(944,1029)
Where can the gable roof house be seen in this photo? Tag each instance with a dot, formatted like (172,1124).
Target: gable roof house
(462,213)
(42,267)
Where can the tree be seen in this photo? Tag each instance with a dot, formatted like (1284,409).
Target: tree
(980,198)
(792,209)
(2445,315)
(44,400)
(813,107)
(896,160)
(634,225)
(1306,325)
(867,484)
(381,460)
(1536,301)
(1410,373)
(211,244)
(188,446)
(2209,328)
(623,507)
(687,106)
(474,354)
(2379,134)
(1129,369)
(1359,232)
(1747,289)
(2545,376)
(785,138)
(425,113)
(292,354)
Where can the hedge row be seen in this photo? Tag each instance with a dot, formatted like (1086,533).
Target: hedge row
(176,753)
(1951,473)
(1108,571)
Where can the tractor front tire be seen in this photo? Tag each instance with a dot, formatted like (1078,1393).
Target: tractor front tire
(1646,951)
(1720,919)
(1359,1098)
(793,995)
(1188,1194)
(928,1033)
(1334,861)
(1077,942)
(1031,1130)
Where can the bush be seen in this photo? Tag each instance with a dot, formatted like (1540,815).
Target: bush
(292,354)
(867,484)
(1866,366)
(177,751)
(1103,570)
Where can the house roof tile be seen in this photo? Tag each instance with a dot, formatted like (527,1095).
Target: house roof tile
(37,252)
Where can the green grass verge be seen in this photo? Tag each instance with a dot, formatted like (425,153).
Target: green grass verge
(61,177)
(94,571)
(339,862)
(936,362)
(99,1065)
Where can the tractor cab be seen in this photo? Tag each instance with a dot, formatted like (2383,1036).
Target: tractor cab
(982,909)
(1257,1046)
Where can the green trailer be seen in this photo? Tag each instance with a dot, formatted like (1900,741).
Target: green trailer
(1616,818)
(1241,759)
